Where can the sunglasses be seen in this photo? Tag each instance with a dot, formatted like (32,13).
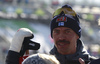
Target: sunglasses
(67,11)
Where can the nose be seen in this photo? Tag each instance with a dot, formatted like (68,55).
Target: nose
(62,36)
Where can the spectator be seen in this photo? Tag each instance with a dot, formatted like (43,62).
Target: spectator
(66,33)
(41,59)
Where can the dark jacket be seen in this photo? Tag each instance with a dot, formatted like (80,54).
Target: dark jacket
(73,58)
(95,61)
(12,57)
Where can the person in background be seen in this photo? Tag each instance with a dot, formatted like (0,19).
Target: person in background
(41,59)
(66,33)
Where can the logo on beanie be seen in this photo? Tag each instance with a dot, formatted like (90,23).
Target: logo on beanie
(60,23)
(62,19)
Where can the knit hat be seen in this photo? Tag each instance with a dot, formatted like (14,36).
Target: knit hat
(34,59)
(41,59)
(64,20)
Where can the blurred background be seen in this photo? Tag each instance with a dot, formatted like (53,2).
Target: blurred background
(37,14)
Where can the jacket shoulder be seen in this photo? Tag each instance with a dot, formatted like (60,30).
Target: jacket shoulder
(93,58)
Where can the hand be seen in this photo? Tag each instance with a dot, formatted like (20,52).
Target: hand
(21,41)
(81,61)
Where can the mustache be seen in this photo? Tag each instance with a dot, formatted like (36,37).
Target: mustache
(63,41)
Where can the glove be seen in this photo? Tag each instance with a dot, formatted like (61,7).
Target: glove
(21,41)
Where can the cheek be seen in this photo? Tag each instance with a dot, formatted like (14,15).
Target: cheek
(54,39)
(73,42)
(73,39)
(73,36)
(54,36)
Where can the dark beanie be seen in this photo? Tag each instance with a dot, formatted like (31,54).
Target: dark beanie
(66,21)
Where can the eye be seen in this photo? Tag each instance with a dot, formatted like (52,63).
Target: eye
(67,31)
(56,31)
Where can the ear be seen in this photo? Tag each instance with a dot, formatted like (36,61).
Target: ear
(77,36)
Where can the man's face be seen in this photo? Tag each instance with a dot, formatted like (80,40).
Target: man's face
(65,40)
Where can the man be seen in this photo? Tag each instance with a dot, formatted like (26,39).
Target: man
(20,43)
(66,33)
